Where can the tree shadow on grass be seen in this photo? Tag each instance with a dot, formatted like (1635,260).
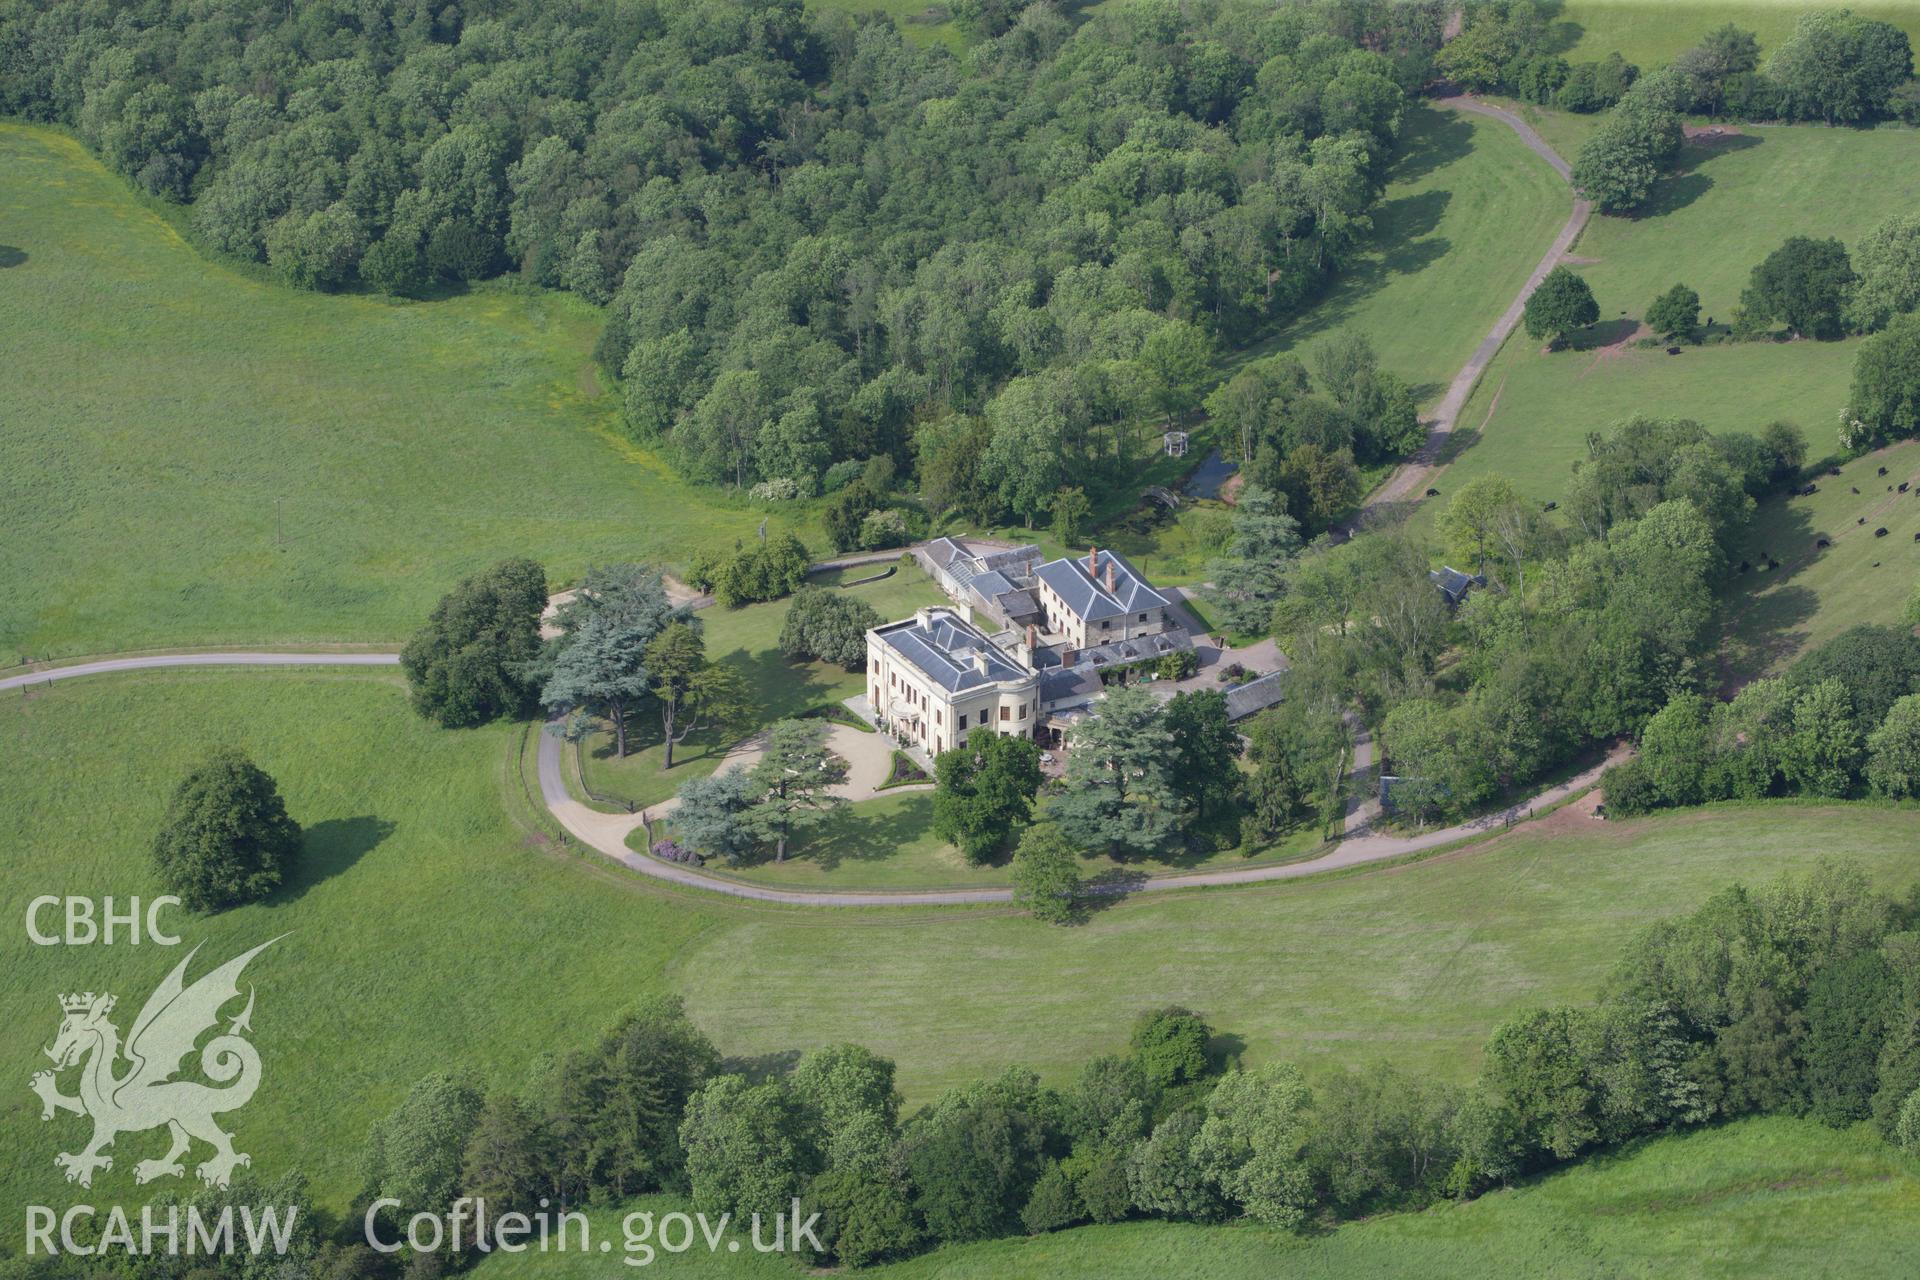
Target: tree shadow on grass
(1224,1051)
(11,256)
(1435,140)
(329,848)
(851,834)
(780,688)
(1684,183)
(1602,334)
(1764,614)
(1097,893)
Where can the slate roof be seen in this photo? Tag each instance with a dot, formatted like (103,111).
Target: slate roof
(1454,584)
(1021,559)
(941,646)
(943,551)
(1254,695)
(1089,598)
(1072,685)
(991,585)
(1019,604)
(1137,649)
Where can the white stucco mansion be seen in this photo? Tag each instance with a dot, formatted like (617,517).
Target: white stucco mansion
(938,675)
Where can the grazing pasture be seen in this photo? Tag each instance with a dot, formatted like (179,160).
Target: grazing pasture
(1819,591)
(1650,32)
(1730,203)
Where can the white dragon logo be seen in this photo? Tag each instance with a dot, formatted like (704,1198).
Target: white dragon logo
(145,1096)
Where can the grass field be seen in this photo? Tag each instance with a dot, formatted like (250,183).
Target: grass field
(193,456)
(1650,32)
(1467,212)
(1734,203)
(1818,592)
(1414,964)
(418,870)
(749,638)
(422,934)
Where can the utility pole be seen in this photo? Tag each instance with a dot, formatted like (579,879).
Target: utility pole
(276,525)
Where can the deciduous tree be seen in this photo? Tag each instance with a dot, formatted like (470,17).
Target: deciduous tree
(693,693)
(983,792)
(1561,305)
(226,838)
(470,663)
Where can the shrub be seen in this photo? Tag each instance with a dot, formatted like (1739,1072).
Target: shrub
(778,489)
(864,1217)
(1053,1204)
(828,625)
(674,851)
(766,571)
(1629,790)
(1171,1046)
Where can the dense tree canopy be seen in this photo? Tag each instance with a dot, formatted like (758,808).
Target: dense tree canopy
(815,239)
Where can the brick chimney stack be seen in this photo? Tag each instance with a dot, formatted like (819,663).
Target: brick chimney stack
(1093,562)
(1033,637)
(1110,577)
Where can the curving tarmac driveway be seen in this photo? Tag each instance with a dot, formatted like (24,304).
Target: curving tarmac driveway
(606,833)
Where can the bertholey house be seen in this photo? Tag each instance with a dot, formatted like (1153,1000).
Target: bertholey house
(934,677)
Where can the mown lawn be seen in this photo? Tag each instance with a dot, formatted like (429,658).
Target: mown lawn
(1415,964)
(749,638)
(192,456)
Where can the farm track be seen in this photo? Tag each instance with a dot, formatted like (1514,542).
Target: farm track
(1414,475)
